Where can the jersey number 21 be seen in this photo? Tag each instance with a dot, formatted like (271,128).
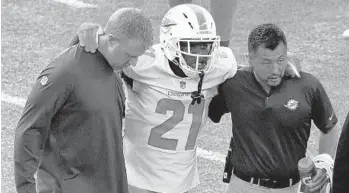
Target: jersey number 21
(178,108)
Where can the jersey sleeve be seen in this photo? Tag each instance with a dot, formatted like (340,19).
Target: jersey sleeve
(217,107)
(142,70)
(48,95)
(323,114)
(145,71)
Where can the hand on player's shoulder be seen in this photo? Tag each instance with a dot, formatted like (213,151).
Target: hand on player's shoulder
(88,36)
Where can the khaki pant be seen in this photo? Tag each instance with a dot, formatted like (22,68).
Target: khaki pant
(133,189)
(237,185)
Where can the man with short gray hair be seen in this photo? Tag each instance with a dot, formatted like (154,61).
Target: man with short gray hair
(70,132)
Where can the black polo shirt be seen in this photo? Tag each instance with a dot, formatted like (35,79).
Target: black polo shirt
(271,130)
(341,163)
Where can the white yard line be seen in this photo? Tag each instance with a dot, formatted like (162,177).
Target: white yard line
(13,100)
(210,155)
(76,4)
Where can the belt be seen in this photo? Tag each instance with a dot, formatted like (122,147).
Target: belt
(268,182)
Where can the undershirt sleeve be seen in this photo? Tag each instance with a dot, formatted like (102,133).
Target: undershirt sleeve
(217,107)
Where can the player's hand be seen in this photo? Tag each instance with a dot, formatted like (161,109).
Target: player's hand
(293,67)
(87,35)
(319,181)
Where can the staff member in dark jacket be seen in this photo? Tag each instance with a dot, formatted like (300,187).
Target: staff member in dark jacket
(70,130)
(271,116)
(341,163)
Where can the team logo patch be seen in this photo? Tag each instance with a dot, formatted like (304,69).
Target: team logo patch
(331,117)
(182,84)
(44,80)
(292,104)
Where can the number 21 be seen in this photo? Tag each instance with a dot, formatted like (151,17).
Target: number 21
(178,108)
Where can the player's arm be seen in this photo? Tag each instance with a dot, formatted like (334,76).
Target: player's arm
(47,96)
(217,107)
(87,36)
(341,166)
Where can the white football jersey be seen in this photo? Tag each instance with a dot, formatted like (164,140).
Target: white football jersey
(161,124)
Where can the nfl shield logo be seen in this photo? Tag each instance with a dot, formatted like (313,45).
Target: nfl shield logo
(182,84)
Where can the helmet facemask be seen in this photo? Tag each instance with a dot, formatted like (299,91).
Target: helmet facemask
(195,55)
(188,39)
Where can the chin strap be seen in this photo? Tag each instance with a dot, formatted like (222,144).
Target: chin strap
(197,95)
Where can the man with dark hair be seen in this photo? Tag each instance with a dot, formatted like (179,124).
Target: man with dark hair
(70,132)
(341,163)
(271,116)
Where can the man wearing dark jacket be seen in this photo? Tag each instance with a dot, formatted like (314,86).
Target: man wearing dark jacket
(70,133)
(341,163)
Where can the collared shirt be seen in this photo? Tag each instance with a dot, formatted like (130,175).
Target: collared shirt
(70,129)
(271,130)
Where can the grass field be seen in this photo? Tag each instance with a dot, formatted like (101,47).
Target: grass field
(34,31)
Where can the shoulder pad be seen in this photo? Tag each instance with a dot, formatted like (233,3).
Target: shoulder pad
(148,57)
(224,68)
(226,61)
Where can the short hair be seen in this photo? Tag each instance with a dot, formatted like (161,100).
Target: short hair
(131,23)
(268,34)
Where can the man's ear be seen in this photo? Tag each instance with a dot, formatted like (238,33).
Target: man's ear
(112,41)
(249,57)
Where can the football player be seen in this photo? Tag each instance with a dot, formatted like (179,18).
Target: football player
(171,87)
(168,93)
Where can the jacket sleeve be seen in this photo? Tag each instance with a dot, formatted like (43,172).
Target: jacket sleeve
(48,95)
(341,166)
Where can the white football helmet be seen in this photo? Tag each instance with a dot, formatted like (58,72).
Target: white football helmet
(189,24)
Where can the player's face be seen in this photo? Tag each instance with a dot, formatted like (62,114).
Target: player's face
(269,65)
(125,52)
(197,48)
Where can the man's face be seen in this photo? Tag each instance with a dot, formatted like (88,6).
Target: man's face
(125,52)
(269,65)
(197,48)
